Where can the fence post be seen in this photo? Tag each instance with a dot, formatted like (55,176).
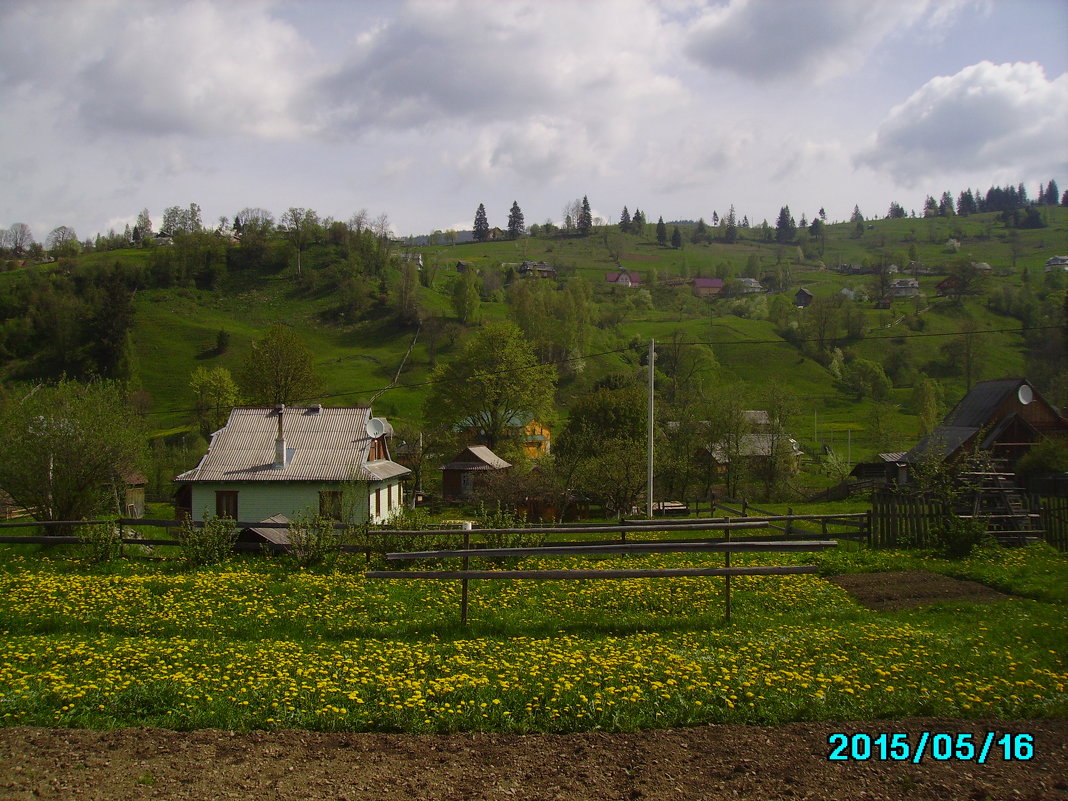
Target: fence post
(789,522)
(727,563)
(463,582)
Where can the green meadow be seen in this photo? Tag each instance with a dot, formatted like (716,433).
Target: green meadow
(259,644)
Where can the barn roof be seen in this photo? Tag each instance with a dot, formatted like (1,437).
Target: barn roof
(322,444)
(974,411)
(476,457)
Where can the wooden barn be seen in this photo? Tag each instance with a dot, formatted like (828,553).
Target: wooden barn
(459,478)
(1002,417)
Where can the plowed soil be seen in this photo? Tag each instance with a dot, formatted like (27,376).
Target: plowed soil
(702,764)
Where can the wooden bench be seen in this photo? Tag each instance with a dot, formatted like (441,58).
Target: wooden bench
(726,548)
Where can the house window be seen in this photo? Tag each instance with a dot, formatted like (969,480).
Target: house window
(226,504)
(378,502)
(330,504)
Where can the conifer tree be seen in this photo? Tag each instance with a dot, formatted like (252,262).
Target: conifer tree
(585,218)
(516,228)
(676,238)
(661,232)
(624,220)
(481,229)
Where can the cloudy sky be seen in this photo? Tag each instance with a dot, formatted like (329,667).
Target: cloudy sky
(423,110)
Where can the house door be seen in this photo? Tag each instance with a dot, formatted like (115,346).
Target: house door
(467,484)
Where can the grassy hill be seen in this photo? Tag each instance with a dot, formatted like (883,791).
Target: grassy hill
(175,328)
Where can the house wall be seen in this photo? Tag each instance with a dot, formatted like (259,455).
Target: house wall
(259,500)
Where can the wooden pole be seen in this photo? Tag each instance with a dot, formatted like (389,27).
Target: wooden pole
(727,578)
(464,581)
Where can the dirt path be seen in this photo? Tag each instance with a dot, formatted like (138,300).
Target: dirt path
(704,763)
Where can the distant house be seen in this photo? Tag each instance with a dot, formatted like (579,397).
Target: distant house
(802,298)
(750,286)
(903,288)
(707,287)
(297,462)
(948,286)
(536,269)
(534,436)
(463,266)
(460,477)
(1056,263)
(624,278)
(1003,417)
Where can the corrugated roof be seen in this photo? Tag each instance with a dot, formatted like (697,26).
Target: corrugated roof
(978,406)
(277,536)
(326,444)
(476,457)
(940,443)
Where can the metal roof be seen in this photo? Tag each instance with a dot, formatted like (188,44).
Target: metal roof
(978,406)
(323,444)
(476,457)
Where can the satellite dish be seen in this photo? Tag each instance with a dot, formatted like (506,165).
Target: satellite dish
(375,428)
(1025,394)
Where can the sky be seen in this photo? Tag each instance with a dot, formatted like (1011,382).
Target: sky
(422,110)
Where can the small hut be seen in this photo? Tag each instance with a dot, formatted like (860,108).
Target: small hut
(459,478)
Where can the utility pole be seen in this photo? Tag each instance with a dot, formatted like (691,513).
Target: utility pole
(649,481)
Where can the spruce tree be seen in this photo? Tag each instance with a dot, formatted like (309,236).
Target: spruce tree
(516,228)
(481,229)
(624,220)
(585,218)
(676,238)
(661,232)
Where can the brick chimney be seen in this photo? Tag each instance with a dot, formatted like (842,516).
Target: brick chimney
(280,441)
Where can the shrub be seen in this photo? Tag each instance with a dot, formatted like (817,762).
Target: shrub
(381,541)
(209,543)
(957,538)
(315,541)
(102,543)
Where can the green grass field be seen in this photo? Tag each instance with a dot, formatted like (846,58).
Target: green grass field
(259,644)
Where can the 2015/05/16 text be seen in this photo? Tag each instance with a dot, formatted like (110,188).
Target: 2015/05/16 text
(898,746)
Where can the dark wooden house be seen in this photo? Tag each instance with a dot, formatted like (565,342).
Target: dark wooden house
(1002,417)
(459,478)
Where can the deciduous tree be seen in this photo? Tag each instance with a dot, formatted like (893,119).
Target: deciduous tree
(214,395)
(495,380)
(301,227)
(279,369)
(68,449)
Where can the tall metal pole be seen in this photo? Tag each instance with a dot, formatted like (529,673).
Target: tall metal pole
(649,481)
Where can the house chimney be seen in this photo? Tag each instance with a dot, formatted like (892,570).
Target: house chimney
(280,441)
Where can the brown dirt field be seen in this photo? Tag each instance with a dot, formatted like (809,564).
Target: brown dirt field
(699,764)
(908,589)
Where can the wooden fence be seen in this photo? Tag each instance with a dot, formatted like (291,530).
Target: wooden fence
(905,521)
(727,547)
(1054,518)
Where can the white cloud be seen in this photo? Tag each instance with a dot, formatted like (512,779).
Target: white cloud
(802,40)
(444,63)
(985,117)
(159,69)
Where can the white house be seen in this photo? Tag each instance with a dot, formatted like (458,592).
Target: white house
(298,462)
(904,288)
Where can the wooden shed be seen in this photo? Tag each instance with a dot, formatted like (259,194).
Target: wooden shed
(459,478)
